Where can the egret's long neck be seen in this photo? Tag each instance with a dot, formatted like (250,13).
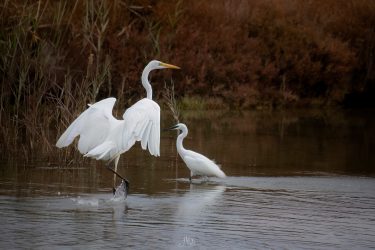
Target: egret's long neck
(180,138)
(146,84)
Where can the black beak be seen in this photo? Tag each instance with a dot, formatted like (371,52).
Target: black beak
(170,128)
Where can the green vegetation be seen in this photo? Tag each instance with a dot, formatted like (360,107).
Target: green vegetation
(57,56)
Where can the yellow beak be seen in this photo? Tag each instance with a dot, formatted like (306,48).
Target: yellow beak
(170,66)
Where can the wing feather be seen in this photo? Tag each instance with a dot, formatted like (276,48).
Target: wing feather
(141,123)
(92,126)
(145,136)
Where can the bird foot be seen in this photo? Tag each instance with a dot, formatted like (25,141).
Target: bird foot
(122,190)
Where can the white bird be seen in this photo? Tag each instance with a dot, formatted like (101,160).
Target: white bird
(197,163)
(103,137)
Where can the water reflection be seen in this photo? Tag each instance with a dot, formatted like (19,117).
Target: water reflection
(296,180)
(194,209)
(237,212)
(286,142)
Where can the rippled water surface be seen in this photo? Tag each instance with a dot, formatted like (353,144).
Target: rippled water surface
(297,179)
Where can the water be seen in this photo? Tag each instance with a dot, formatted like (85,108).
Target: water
(296,180)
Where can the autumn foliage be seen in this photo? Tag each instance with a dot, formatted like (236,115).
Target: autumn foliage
(57,56)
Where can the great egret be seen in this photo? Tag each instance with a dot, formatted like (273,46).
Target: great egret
(103,137)
(197,163)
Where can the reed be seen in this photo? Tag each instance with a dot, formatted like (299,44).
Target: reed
(58,56)
(170,101)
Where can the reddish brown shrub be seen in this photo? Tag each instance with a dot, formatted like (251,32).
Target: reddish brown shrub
(246,53)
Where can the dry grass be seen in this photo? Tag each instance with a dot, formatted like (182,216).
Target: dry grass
(170,101)
(57,56)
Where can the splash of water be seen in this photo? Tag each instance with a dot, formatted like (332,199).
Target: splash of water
(92,202)
(121,191)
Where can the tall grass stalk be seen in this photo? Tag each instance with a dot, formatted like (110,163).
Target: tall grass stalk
(170,100)
(95,27)
(57,56)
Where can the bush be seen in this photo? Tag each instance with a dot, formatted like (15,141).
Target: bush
(57,56)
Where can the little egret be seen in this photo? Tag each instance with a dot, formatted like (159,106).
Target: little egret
(103,137)
(197,163)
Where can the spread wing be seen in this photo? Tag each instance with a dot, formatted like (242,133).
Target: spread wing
(92,126)
(141,123)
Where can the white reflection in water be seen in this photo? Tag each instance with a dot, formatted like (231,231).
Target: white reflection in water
(322,209)
(192,209)
(233,213)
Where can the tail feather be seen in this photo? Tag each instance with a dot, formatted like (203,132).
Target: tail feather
(220,173)
(217,170)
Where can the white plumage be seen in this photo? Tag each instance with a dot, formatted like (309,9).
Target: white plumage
(103,137)
(93,126)
(141,123)
(197,163)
